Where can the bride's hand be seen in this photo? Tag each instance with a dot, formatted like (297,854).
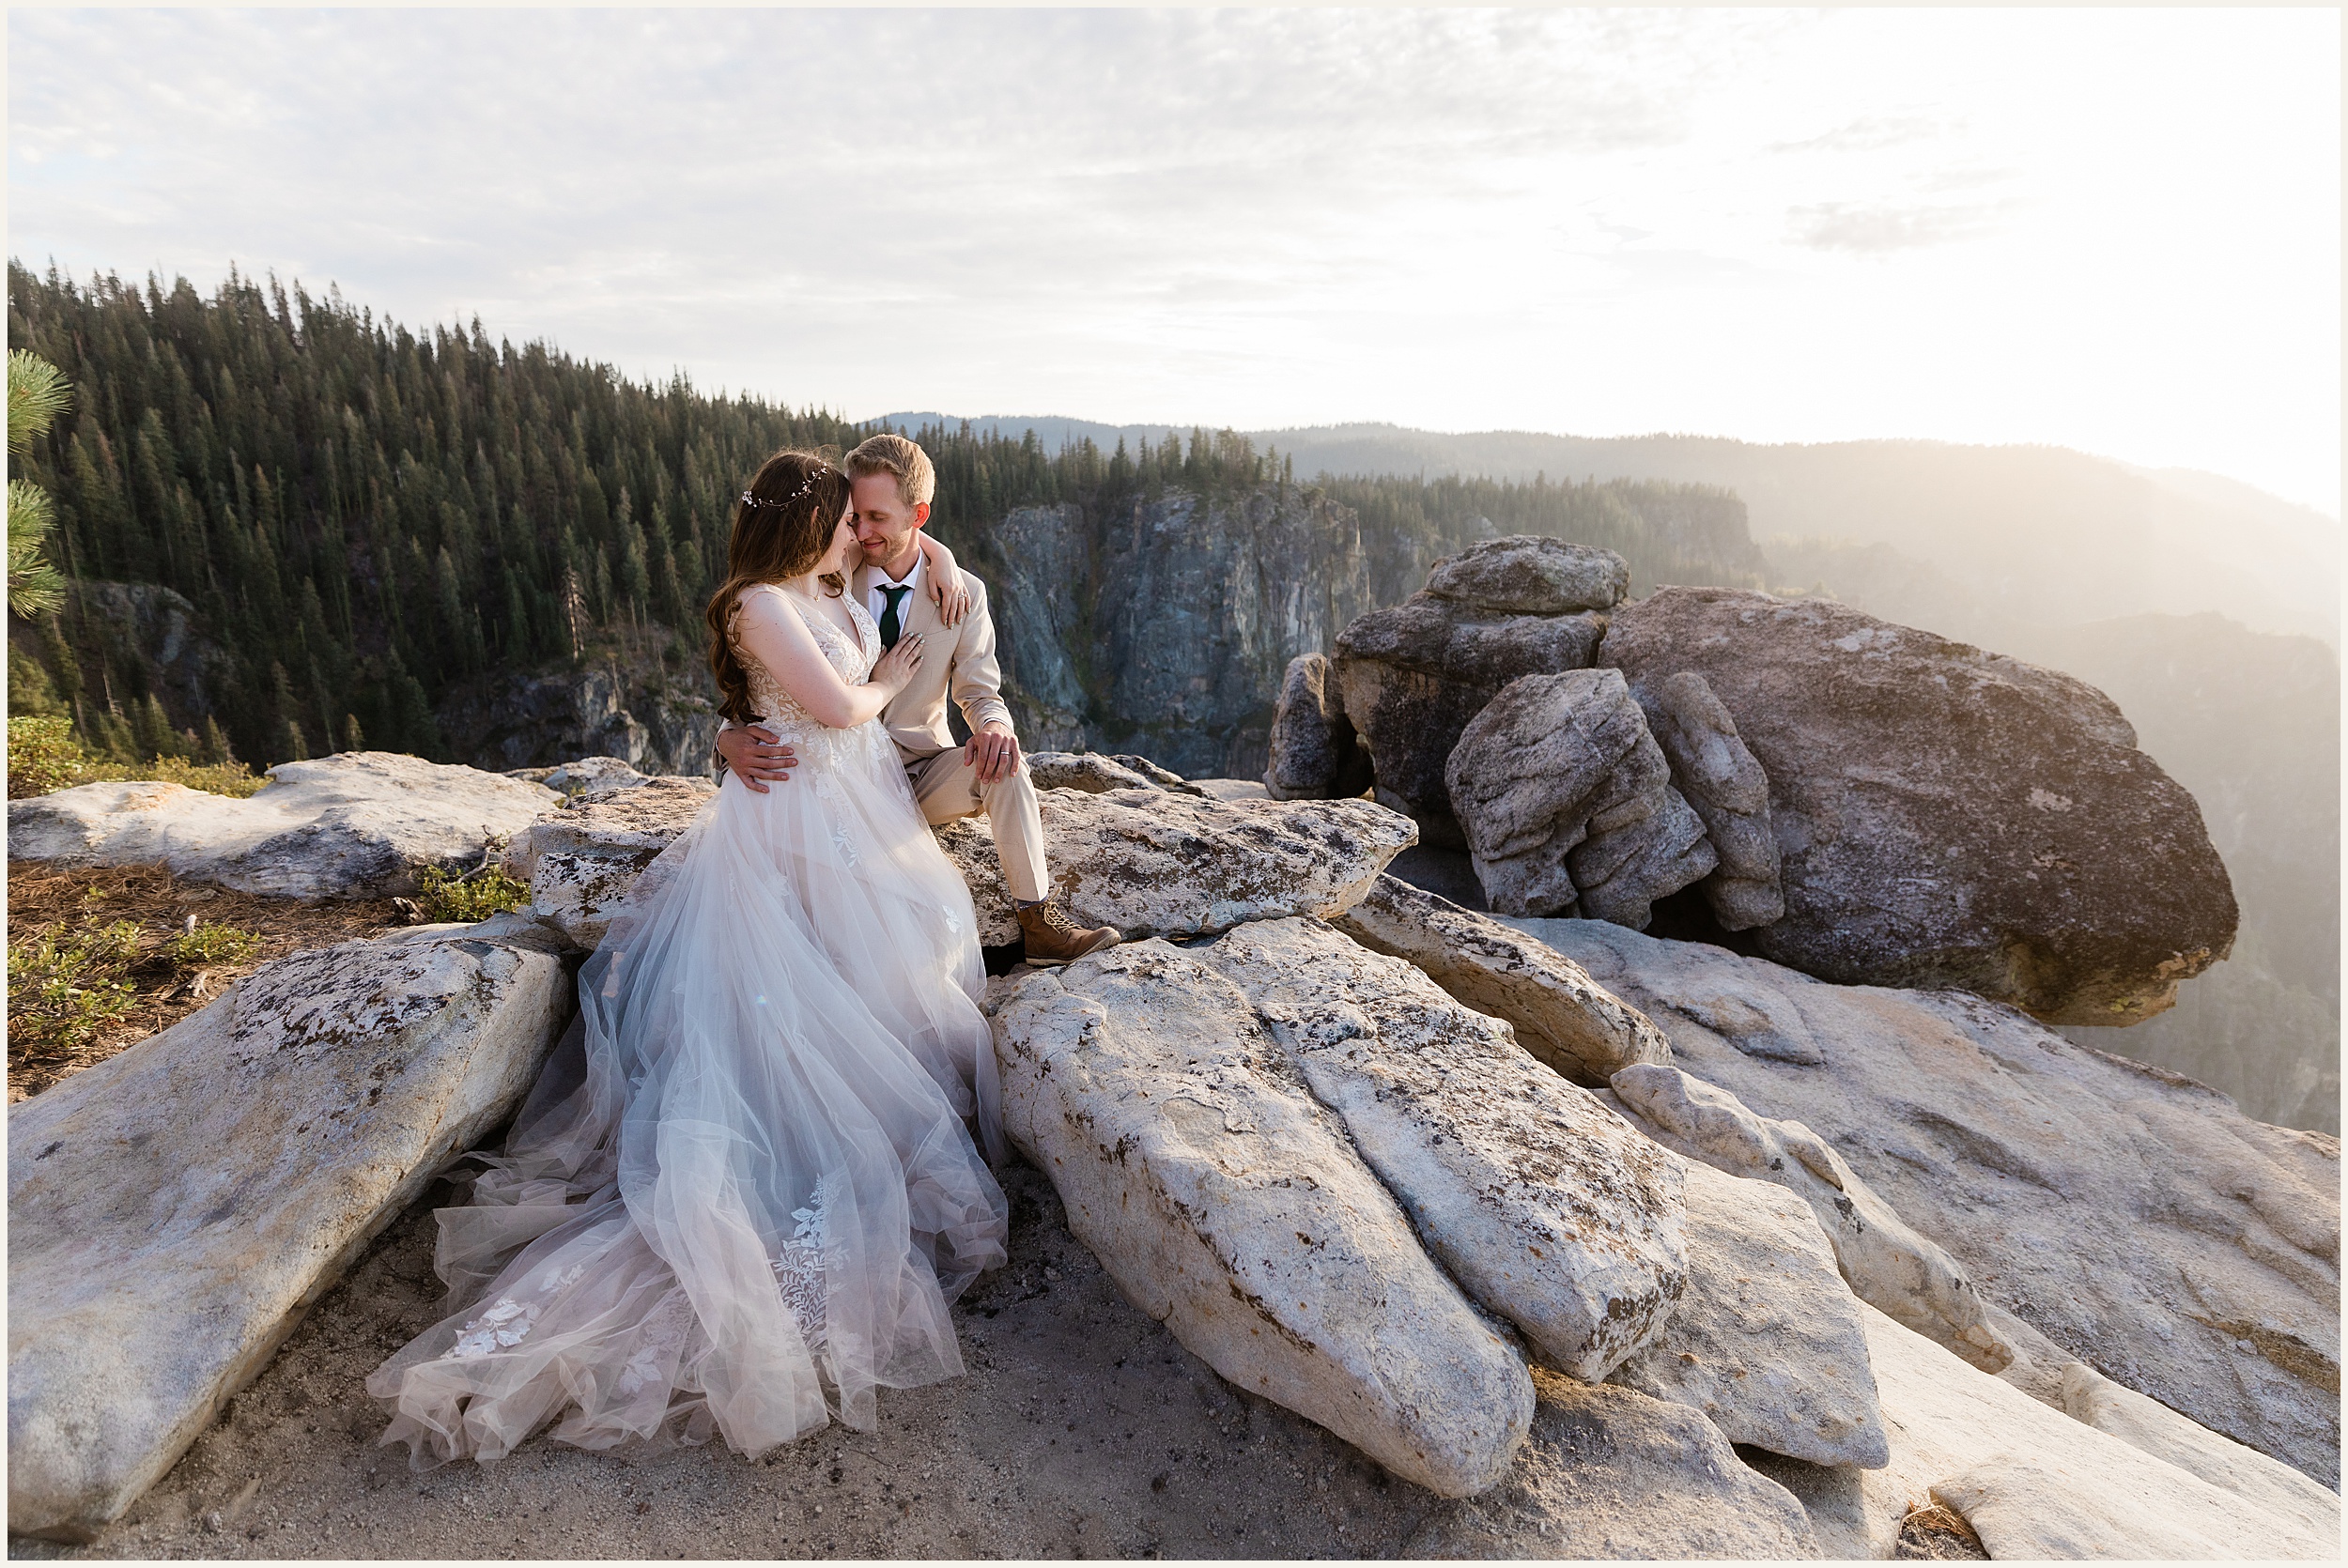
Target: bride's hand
(946,588)
(896,666)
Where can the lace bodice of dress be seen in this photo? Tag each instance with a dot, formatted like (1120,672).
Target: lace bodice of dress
(853,658)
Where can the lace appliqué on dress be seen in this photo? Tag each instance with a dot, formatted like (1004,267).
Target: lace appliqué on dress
(850,655)
(508,1322)
(663,1337)
(800,1267)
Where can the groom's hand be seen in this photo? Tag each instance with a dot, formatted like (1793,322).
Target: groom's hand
(756,754)
(993,753)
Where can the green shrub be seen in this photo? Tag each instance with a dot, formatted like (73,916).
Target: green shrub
(483,891)
(62,990)
(218,779)
(44,755)
(211,944)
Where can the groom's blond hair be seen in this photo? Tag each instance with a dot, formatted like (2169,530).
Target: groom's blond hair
(917,481)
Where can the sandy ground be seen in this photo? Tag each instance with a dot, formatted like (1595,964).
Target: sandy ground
(1082,1429)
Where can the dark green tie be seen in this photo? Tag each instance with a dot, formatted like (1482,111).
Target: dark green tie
(890,629)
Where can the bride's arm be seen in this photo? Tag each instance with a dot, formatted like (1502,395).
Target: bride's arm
(945,580)
(771,632)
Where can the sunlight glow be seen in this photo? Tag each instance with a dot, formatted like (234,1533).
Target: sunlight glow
(2111,229)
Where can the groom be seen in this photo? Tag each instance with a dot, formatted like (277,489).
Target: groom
(893,481)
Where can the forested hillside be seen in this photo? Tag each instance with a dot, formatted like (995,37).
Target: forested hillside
(376,531)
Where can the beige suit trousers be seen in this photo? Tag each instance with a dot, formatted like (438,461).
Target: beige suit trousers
(948,787)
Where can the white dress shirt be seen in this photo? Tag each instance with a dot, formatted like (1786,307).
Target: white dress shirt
(878,601)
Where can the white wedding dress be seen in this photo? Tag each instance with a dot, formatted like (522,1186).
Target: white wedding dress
(742,1193)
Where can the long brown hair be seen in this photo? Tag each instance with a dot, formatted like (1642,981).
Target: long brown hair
(798,497)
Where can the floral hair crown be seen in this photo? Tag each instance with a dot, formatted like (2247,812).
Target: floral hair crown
(805,486)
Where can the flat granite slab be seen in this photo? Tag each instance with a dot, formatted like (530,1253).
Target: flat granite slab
(174,1210)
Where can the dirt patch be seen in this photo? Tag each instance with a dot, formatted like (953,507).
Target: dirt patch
(159,904)
(1932,1534)
(1081,1429)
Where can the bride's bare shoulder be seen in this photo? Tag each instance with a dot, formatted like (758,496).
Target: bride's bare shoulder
(762,617)
(762,601)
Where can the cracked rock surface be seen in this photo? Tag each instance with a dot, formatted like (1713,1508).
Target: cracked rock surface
(1538,1200)
(1610,1473)
(1088,770)
(2036,1484)
(1184,1099)
(1313,755)
(1532,574)
(1723,782)
(2134,1218)
(174,1211)
(1227,1202)
(1149,861)
(1568,1021)
(581,862)
(1410,677)
(1766,1340)
(1886,1262)
(1153,862)
(1567,804)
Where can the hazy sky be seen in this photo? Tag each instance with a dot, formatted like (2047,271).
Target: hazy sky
(2111,229)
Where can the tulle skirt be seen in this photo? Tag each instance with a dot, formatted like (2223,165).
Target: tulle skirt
(743,1193)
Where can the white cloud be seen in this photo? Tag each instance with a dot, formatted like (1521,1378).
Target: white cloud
(1871,228)
(2111,229)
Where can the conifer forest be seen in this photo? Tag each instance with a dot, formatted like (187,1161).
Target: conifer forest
(362,518)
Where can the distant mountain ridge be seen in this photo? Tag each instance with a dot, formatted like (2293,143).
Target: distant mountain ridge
(2209,609)
(2042,532)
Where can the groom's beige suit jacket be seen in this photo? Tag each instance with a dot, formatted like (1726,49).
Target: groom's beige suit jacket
(958,665)
(957,662)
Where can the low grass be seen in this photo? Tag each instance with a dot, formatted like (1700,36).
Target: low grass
(487,890)
(202,945)
(65,987)
(102,956)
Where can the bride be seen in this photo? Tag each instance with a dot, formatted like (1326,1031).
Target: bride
(742,1193)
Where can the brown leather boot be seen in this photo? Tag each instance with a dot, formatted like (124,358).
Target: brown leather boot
(1052,938)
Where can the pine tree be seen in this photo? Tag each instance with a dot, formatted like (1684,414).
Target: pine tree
(36,395)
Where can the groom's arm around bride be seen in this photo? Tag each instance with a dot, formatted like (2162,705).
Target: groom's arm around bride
(893,485)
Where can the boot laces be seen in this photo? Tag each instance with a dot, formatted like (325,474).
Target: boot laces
(1056,920)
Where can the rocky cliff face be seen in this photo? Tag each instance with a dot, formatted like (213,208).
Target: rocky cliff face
(1163,628)
(501,722)
(128,640)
